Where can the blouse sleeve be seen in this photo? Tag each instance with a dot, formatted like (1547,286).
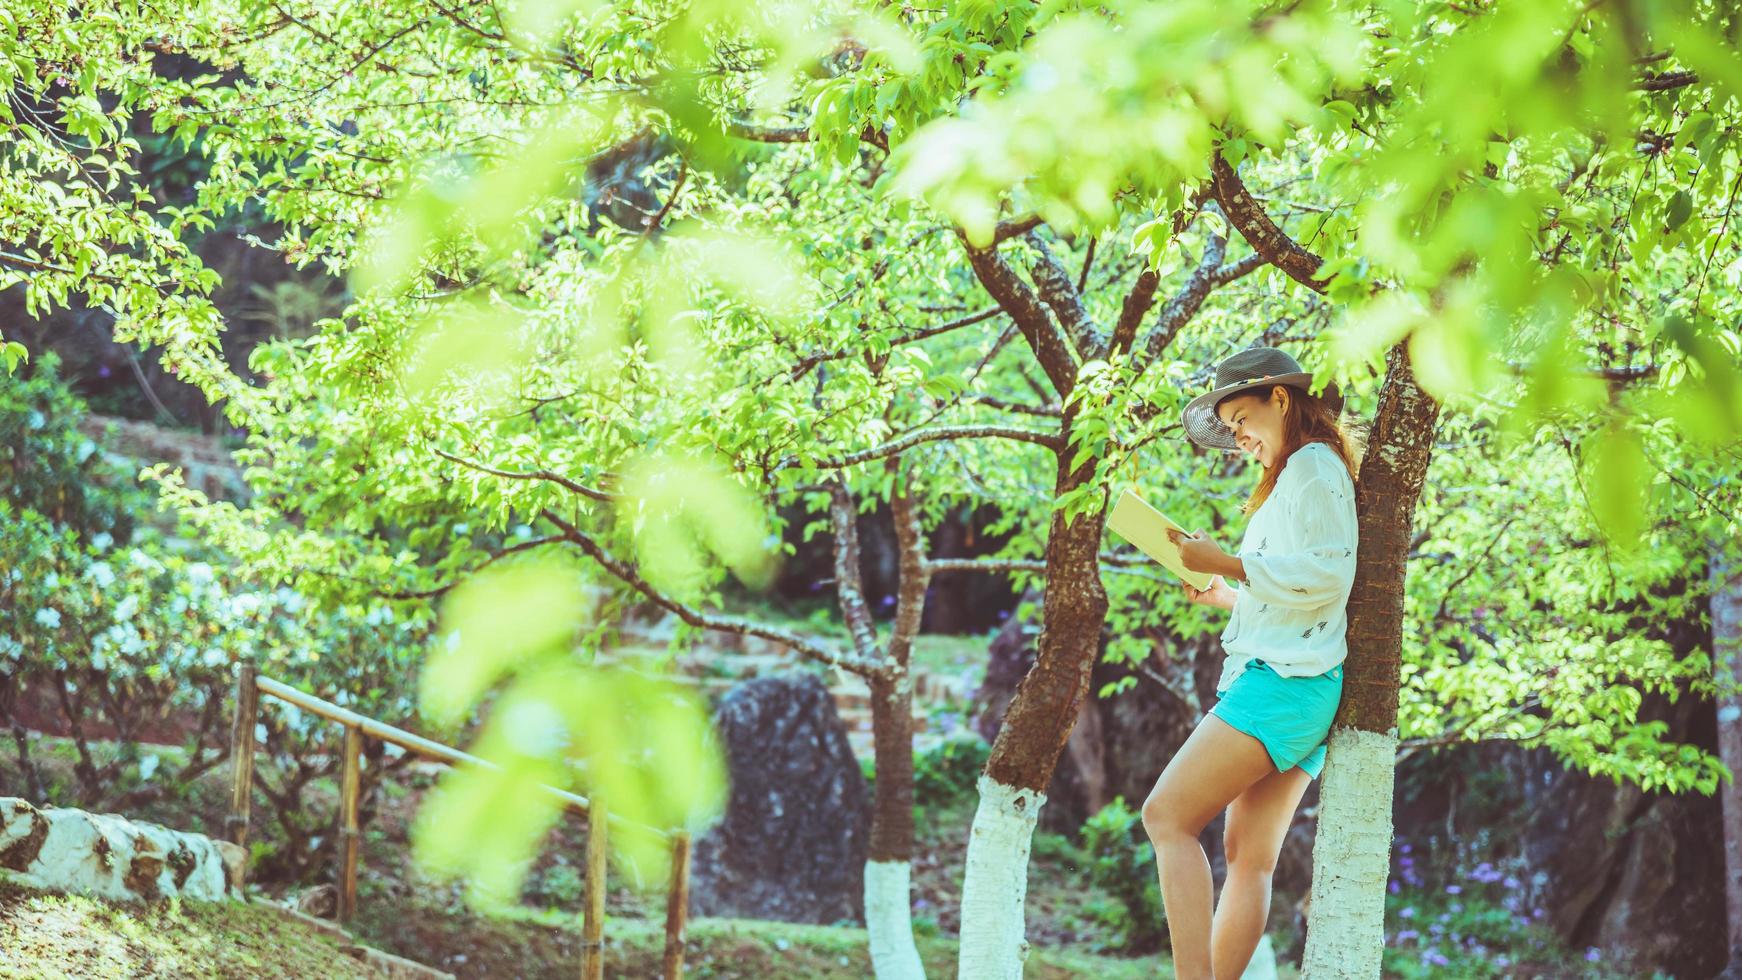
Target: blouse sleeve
(1319,564)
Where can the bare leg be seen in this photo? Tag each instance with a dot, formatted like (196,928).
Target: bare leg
(1258,820)
(1214,766)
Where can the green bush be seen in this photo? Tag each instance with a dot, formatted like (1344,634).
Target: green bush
(48,466)
(949,770)
(1121,865)
(114,634)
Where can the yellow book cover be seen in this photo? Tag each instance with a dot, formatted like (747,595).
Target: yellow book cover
(1134,520)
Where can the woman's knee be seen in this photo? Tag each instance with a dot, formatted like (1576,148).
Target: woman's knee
(1162,818)
(1248,857)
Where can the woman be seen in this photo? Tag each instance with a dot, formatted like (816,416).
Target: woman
(1282,679)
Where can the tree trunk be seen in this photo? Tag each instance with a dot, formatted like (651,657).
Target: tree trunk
(1352,852)
(888,902)
(1034,732)
(888,896)
(1726,578)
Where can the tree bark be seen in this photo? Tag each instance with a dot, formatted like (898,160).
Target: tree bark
(888,902)
(1351,854)
(888,895)
(1034,732)
(1726,579)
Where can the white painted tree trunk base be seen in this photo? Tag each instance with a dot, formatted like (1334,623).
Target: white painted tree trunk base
(1351,857)
(995,882)
(889,921)
(1262,966)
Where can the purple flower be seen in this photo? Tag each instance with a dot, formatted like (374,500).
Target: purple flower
(1593,954)
(920,903)
(1403,848)
(1511,882)
(1407,912)
(1486,873)
(1394,887)
(1407,935)
(1434,957)
(1454,890)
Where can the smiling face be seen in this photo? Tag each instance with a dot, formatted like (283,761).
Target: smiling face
(1256,417)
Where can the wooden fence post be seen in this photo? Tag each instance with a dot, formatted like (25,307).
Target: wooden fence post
(242,754)
(593,929)
(349,837)
(677,905)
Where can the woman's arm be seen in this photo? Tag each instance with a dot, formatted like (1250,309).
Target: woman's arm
(1319,565)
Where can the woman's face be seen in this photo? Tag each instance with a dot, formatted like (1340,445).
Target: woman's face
(1257,421)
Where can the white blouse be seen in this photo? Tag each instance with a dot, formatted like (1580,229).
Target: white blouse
(1299,555)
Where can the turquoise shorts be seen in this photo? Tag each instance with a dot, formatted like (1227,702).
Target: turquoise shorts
(1290,715)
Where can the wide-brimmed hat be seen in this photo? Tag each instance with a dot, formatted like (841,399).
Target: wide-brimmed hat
(1254,367)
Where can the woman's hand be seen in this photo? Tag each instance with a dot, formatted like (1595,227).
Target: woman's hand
(1217,594)
(1196,551)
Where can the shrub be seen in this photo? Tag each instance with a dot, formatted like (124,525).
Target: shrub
(115,634)
(1121,866)
(48,466)
(948,771)
(1477,926)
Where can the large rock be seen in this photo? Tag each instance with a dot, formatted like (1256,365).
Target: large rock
(111,856)
(793,840)
(1628,871)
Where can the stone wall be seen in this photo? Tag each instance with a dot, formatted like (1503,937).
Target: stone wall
(204,460)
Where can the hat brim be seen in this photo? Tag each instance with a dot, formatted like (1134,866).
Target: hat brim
(1204,427)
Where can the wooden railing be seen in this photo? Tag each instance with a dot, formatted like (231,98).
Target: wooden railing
(250,685)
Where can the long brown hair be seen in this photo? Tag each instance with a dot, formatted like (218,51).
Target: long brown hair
(1308,418)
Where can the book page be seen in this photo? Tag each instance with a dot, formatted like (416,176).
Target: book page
(1133,519)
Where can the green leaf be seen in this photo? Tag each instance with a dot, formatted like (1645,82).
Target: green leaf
(1676,213)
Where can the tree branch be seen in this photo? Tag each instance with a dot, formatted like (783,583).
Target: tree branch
(765,134)
(1131,313)
(1016,298)
(1058,292)
(849,583)
(1614,374)
(703,620)
(513,549)
(944,432)
(1015,228)
(1667,80)
(1268,240)
(915,575)
(1109,560)
(546,475)
(1185,303)
(809,361)
(1045,411)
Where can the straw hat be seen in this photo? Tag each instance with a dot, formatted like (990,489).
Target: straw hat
(1254,367)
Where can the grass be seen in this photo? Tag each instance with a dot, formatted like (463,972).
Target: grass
(535,947)
(45,936)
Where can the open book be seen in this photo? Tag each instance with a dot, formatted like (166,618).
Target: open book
(1144,526)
